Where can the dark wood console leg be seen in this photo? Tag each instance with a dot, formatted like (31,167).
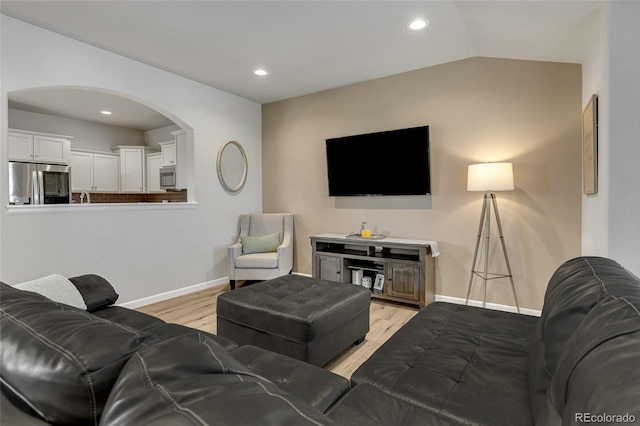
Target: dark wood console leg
(232,284)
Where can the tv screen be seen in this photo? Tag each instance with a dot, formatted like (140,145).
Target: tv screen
(394,162)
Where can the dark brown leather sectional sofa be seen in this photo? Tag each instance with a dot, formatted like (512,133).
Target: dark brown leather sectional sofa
(577,364)
(450,365)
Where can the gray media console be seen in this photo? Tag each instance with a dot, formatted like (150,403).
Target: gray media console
(395,269)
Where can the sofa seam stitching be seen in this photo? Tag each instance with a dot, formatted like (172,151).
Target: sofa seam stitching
(165,393)
(67,354)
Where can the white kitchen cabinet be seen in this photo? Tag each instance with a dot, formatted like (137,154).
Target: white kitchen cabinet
(154,162)
(106,176)
(38,147)
(20,146)
(95,172)
(174,153)
(132,168)
(168,152)
(81,171)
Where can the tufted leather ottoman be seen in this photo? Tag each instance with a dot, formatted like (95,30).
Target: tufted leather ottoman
(305,318)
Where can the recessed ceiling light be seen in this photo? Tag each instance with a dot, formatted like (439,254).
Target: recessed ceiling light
(105,112)
(419,24)
(260,72)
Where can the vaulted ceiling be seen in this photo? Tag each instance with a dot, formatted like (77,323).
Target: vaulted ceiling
(310,46)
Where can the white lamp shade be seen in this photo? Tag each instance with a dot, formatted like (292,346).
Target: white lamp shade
(490,177)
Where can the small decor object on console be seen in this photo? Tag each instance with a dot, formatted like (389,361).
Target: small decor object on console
(366,282)
(356,276)
(366,234)
(378,285)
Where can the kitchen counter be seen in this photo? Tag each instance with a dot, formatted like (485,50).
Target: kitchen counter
(98,207)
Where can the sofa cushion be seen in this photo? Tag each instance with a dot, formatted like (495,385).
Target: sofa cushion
(166,331)
(257,260)
(59,360)
(57,288)
(319,388)
(575,288)
(470,363)
(188,380)
(96,291)
(368,406)
(597,373)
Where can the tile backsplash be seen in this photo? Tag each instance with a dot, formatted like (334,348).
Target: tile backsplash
(152,197)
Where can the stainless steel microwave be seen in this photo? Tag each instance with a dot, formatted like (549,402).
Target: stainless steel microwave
(168,177)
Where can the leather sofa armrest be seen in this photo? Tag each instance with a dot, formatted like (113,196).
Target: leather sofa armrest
(96,291)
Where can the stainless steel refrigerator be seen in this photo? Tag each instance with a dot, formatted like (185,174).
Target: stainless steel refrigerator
(31,183)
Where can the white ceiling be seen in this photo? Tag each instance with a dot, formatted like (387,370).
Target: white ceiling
(84,104)
(309,46)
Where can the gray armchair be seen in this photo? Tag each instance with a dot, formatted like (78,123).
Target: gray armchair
(254,264)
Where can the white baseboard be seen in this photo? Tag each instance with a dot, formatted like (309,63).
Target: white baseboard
(173,293)
(301,274)
(180,292)
(478,303)
(495,306)
(222,281)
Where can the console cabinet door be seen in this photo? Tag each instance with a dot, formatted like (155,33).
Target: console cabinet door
(329,268)
(403,280)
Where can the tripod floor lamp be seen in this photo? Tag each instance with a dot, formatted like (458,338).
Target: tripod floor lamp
(489,177)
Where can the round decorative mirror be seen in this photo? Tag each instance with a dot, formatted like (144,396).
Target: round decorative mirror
(232,166)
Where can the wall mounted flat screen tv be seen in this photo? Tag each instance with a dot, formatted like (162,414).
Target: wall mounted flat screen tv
(394,162)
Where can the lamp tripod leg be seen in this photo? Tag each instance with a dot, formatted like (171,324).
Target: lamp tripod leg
(475,254)
(504,250)
(487,238)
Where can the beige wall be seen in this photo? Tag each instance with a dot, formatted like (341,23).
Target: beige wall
(478,110)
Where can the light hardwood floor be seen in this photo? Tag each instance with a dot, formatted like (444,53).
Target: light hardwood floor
(198,310)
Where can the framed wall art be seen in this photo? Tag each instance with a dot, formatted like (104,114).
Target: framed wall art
(590,146)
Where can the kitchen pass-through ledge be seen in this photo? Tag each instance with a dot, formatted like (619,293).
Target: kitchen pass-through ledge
(97,207)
